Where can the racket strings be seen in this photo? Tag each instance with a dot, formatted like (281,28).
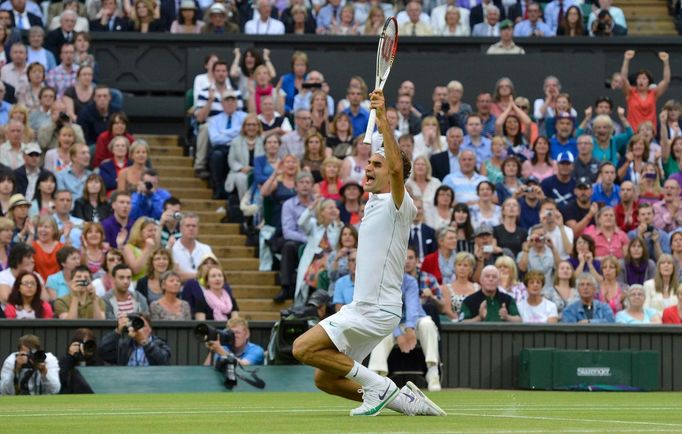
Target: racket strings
(387,47)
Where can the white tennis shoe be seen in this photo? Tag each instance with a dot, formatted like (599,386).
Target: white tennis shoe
(415,403)
(375,398)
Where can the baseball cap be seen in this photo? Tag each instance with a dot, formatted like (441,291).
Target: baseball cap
(506,24)
(531,179)
(31,148)
(483,229)
(318,298)
(565,115)
(217,8)
(583,182)
(565,157)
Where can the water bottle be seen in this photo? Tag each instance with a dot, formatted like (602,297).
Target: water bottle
(191,152)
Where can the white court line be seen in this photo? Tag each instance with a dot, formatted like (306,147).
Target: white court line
(564,419)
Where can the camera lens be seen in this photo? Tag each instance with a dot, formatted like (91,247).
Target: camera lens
(136,322)
(148,185)
(89,348)
(39,356)
(177,215)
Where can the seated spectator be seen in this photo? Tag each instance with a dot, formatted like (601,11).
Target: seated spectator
(28,174)
(14,72)
(441,263)
(489,304)
(562,291)
(560,186)
(57,284)
(149,198)
(264,24)
(573,23)
(533,24)
(58,159)
(29,94)
(461,286)
(48,134)
(636,313)
(81,93)
(36,53)
(130,177)
(353,166)
(105,283)
(536,308)
(508,233)
(75,176)
(461,220)
(11,154)
(657,240)
(109,169)
(220,303)
(608,238)
(118,127)
(422,236)
(509,279)
(20,259)
(126,346)
(492,168)
(69,226)
(242,150)
(454,22)
(95,116)
(81,302)
(46,246)
(583,258)
(7,184)
(465,182)
(540,165)
(344,287)
(603,22)
(672,314)
(511,182)
(20,113)
(626,210)
(491,26)
(82,43)
(192,290)
(340,136)
(68,18)
(611,290)
(25,301)
(217,21)
(6,232)
(170,306)
(188,251)
(222,130)
(109,18)
(144,17)
(169,222)
(660,291)
(93,248)
(150,285)
(313,155)
(78,353)
(588,309)
(246,353)
(553,222)
(579,212)
(338,260)
(41,111)
(92,206)
(272,121)
(63,76)
(331,183)
(24,229)
(636,267)
(187,21)
(117,226)
(484,211)
(121,302)
(530,202)
(429,141)
(606,191)
(243,68)
(64,29)
(22,377)
(298,21)
(415,325)
(143,240)
(668,212)
(539,253)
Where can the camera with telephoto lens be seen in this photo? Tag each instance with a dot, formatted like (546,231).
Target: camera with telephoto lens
(205,333)
(228,365)
(136,322)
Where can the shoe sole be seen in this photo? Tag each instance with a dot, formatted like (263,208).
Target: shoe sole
(426,399)
(376,410)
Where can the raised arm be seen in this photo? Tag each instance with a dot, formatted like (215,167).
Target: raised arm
(499,122)
(665,139)
(393,158)
(625,70)
(665,82)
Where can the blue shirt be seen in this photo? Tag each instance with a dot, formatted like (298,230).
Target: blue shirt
(575,312)
(551,12)
(562,193)
(664,240)
(68,180)
(343,290)
(359,121)
(5,107)
(464,187)
(489,127)
(526,28)
(223,128)
(556,147)
(254,354)
(58,283)
(143,205)
(529,216)
(289,86)
(412,307)
(598,195)
(325,15)
(137,356)
(483,150)
(76,231)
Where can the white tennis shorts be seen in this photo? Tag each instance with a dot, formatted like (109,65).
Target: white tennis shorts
(358,327)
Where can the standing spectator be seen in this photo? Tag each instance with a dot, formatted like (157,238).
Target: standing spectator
(65,33)
(641,100)
(187,21)
(92,206)
(28,174)
(187,251)
(25,300)
(117,226)
(422,236)
(447,162)
(607,146)
(126,346)
(19,377)
(489,304)
(57,284)
(73,178)
(94,117)
(81,302)
(587,310)
(69,226)
(561,185)
(121,302)
(536,308)
(149,199)
(64,75)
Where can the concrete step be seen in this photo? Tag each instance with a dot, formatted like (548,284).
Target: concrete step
(260,316)
(202,204)
(160,140)
(218,229)
(209,216)
(157,151)
(238,264)
(159,161)
(176,172)
(262,305)
(171,182)
(196,193)
(250,277)
(645,10)
(242,292)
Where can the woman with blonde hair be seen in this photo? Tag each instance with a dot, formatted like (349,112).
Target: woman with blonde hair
(145,17)
(330,186)
(93,249)
(248,143)
(169,306)
(58,159)
(353,167)
(509,278)
(660,291)
(375,21)
(461,287)
(158,263)
(421,182)
(192,290)
(143,240)
(19,113)
(492,168)
(6,232)
(563,291)
(611,291)
(261,86)
(429,141)
(130,177)
(606,144)
(452,23)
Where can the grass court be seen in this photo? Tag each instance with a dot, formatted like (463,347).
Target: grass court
(468,412)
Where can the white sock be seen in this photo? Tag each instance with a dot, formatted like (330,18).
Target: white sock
(363,375)
(433,370)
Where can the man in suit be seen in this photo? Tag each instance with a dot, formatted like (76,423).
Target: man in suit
(28,174)
(491,27)
(447,162)
(22,19)
(408,121)
(477,12)
(107,19)
(422,236)
(65,33)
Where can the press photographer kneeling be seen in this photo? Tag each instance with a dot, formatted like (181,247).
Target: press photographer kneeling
(82,351)
(30,371)
(133,343)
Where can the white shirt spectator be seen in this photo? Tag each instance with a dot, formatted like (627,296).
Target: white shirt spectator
(537,314)
(48,385)
(269,27)
(438,19)
(187,261)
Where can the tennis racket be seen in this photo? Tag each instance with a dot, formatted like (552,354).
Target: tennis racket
(388,46)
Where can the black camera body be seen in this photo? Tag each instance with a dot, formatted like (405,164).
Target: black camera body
(311,85)
(135,321)
(300,312)
(148,185)
(228,366)
(205,333)
(36,356)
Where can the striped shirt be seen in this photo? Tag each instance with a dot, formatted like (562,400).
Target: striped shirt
(126,307)
(216,106)
(464,187)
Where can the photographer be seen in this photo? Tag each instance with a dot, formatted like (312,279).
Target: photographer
(82,351)
(81,302)
(149,199)
(246,353)
(133,343)
(605,26)
(170,222)
(30,371)
(48,134)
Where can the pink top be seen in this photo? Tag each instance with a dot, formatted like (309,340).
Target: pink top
(11,311)
(615,303)
(605,246)
(539,171)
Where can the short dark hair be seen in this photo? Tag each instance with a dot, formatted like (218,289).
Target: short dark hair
(150,172)
(220,62)
(64,253)
(119,267)
(18,253)
(46,89)
(115,195)
(81,269)
(605,99)
(171,201)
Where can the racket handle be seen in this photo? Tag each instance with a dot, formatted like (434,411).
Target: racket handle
(370,126)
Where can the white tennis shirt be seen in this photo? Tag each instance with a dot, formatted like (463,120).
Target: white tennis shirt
(382,249)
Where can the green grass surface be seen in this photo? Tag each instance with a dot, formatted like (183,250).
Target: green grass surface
(469,412)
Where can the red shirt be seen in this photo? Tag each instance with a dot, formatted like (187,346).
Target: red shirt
(641,110)
(605,247)
(102,151)
(430,265)
(671,315)
(620,217)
